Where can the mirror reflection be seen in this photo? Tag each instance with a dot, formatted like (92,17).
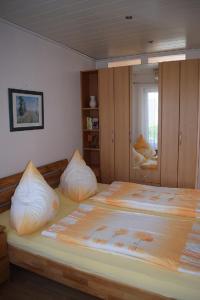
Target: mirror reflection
(145,122)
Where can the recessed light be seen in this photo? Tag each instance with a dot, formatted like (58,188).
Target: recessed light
(128,17)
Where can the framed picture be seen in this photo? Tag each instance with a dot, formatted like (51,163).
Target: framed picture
(26,109)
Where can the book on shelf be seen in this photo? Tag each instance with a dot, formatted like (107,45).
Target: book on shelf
(92,123)
(93,141)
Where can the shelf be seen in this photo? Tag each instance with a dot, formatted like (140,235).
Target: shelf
(91,130)
(89,108)
(91,149)
(91,137)
(94,167)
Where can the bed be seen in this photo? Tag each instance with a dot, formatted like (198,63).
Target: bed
(100,273)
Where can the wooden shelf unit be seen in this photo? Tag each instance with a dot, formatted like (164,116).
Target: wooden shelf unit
(89,108)
(90,130)
(91,142)
(91,149)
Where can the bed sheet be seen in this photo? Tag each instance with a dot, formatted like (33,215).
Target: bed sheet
(112,266)
(172,243)
(152,199)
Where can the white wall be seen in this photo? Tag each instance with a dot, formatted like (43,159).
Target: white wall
(32,63)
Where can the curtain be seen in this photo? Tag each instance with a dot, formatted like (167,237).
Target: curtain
(148,113)
(143,115)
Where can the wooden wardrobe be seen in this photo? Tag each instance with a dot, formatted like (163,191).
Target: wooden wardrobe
(180,123)
(114,112)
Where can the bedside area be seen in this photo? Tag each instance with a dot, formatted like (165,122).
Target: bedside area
(4,264)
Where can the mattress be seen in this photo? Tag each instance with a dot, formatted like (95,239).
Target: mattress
(112,266)
(151,199)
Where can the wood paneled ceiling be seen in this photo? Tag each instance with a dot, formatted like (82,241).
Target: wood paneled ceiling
(98,28)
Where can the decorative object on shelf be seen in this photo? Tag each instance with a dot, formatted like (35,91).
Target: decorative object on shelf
(95,123)
(93,102)
(89,123)
(26,110)
(93,141)
(92,123)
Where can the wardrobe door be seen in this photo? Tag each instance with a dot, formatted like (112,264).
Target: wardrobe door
(170,123)
(106,107)
(122,123)
(189,106)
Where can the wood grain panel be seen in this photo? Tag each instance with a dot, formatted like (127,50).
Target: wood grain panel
(197,184)
(4,269)
(51,173)
(106,107)
(122,123)
(26,285)
(3,242)
(106,34)
(170,123)
(158,176)
(4,263)
(189,107)
(84,281)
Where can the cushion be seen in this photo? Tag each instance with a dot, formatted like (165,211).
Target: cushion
(143,147)
(34,202)
(78,181)
(141,143)
(138,158)
(148,153)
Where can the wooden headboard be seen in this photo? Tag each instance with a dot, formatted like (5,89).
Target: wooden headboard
(51,173)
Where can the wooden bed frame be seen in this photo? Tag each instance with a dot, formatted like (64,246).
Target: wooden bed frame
(72,277)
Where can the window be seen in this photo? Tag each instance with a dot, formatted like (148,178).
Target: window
(158,59)
(152,99)
(146,120)
(122,63)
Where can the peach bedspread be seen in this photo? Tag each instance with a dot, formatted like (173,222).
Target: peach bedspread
(175,201)
(151,238)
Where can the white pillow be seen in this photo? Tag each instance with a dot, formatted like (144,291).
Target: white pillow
(78,180)
(34,202)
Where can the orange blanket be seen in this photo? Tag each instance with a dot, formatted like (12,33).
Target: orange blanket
(164,241)
(176,201)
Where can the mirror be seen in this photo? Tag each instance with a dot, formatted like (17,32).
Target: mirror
(145,124)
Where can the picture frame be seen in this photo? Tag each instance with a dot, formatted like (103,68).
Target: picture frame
(26,110)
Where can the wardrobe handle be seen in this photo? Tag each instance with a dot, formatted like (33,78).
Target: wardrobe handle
(130,137)
(113,136)
(180,138)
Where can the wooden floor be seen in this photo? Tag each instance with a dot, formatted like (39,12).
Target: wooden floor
(24,285)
